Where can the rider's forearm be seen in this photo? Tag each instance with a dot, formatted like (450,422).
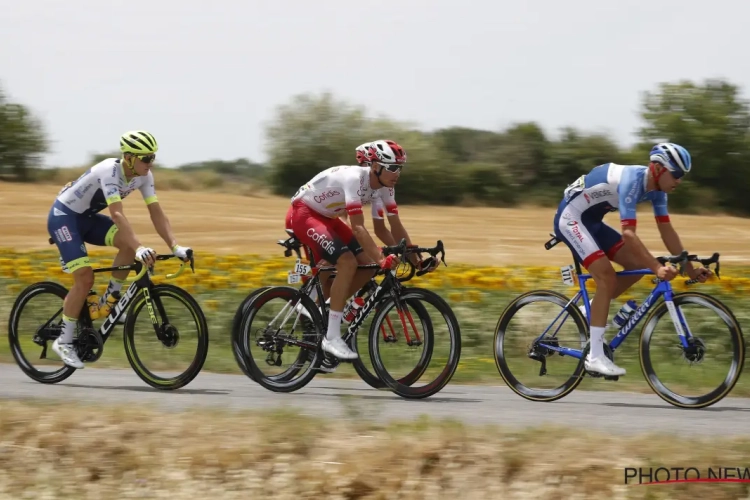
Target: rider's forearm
(125,230)
(383,233)
(671,240)
(399,232)
(164,229)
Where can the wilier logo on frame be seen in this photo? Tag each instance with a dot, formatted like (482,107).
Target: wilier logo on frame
(662,475)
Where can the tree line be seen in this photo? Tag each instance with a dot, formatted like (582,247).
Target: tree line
(466,166)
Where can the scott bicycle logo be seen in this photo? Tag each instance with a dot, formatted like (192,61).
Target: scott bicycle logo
(322,240)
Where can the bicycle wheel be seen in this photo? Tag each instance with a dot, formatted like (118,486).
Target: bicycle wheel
(273,326)
(390,333)
(236,343)
(715,355)
(441,345)
(532,357)
(182,338)
(43,328)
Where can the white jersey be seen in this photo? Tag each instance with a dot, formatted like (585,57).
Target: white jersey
(345,189)
(102,185)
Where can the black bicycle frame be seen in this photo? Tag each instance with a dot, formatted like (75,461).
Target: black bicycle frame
(143,283)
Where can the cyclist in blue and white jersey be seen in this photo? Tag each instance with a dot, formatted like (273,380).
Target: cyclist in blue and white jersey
(579,223)
(74,220)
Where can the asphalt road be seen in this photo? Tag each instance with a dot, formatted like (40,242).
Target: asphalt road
(615,412)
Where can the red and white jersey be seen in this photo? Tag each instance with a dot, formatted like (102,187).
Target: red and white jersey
(344,189)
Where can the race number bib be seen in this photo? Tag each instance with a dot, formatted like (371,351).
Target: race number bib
(575,187)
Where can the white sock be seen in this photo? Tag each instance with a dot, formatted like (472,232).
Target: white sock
(334,325)
(69,327)
(597,341)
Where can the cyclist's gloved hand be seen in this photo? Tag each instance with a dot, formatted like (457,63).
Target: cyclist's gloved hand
(389,262)
(427,265)
(181,252)
(145,255)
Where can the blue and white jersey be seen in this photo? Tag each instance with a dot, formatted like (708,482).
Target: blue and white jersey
(611,187)
(103,184)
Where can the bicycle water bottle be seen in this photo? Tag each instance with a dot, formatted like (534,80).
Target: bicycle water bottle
(92,302)
(623,315)
(107,305)
(355,306)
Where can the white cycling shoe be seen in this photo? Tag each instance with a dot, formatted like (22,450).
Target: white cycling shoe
(67,353)
(603,365)
(338,348)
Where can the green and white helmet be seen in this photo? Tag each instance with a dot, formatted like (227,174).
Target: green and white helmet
(138,142)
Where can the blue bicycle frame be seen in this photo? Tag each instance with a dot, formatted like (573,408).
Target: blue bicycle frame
(662,288)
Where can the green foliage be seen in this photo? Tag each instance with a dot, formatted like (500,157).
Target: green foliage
(713,123)
(460,165)
(22,139)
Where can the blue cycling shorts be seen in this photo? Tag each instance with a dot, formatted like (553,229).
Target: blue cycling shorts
(71,231)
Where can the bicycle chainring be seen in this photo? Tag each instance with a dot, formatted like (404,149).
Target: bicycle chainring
(90,345)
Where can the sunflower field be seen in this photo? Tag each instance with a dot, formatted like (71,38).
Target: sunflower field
(478,296)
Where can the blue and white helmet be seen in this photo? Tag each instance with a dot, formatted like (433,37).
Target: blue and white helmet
(673,156)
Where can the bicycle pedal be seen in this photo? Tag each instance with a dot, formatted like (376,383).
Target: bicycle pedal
(613,378)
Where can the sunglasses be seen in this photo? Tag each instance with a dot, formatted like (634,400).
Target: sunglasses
(147,159)
(677,174)
(391,167)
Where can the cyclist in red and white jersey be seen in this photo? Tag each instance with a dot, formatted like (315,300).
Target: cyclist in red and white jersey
(315,219)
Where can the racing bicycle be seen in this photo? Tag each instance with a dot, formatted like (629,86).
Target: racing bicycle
(170,328)
(300,323)
(703,330)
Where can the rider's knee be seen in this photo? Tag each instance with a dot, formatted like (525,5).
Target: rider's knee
(603,274)
(84,278)
(364,259)
(119,243)
(346,261)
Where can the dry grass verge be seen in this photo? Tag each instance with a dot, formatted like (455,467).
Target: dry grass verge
(52,450)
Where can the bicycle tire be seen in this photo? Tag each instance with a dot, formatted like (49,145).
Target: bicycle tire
(738,355)
(546,395)
(13,339)
(407,391)
(184,378)
(272,383)
(236,320)
(371,378)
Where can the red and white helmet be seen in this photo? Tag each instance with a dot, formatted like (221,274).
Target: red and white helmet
(386,152)
(362,152)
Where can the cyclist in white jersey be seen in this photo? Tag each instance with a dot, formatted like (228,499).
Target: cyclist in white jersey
(74,220)
(579,223)
(378,214)
(315,220)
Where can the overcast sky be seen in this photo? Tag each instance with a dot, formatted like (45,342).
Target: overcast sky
(204,76)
